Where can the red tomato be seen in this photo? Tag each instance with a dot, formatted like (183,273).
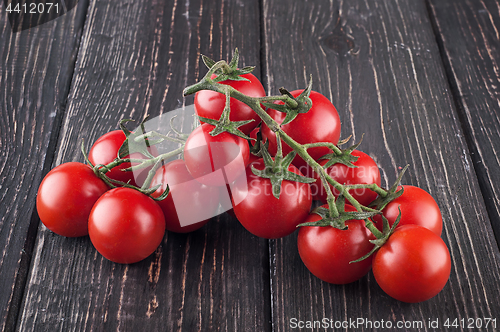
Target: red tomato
(413,265)
(210,104)
(417,208)
(261,213)
(126,226)
(328,251)
(105,150)
(366,172)
(215,160)
(320,124)
(66,196)
(188,200)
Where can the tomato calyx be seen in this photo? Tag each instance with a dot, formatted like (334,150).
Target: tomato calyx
(292,106)
(224,124)
(227,71)
(276,170)
(257,148)
(224,71)
(136,141)
(381,237)
(391,194)
(342,156)
(327,219)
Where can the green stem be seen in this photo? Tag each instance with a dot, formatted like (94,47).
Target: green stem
(206,83)
(157,161)
(142,163)
(106,168)
(372,228)
(284,98)
(297,147)
(343,190)
(372,186)
(330,198)
(301,151)
(279,149)
(331,146)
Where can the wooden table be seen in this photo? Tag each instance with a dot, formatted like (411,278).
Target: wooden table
(421,80)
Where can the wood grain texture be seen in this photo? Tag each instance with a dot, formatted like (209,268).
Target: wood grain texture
(35,73)
(469,38)
(135,59)
(380,65)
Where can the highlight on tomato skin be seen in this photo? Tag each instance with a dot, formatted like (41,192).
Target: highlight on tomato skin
(66,196)
(413,266)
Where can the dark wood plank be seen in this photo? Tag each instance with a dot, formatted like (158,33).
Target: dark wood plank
(136,58)
(468,35)
(35,74)
(379,63)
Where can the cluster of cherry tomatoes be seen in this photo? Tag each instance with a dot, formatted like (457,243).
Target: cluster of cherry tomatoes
(126,225)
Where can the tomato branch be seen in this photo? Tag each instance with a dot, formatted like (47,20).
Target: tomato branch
(331,146)
(284,98)
(372,186)
(207,83)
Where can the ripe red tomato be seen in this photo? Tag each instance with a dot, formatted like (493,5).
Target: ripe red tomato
(66,196)
(261,213)
(126,226)
(417,208)
(328,251)
(188,201)
(105,150)
(215,160)
(320,124)
(210,104)
(413,265)
(366,172)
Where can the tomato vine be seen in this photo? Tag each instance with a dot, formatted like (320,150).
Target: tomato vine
(292,106)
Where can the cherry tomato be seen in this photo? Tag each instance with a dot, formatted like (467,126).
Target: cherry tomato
(261,213)
(188,201)
(327,251)
(66,196)
(210,104)
(366,172)
(413,265)
(215,160)
(126,226)
(105,150)
(417,208)
(320,124)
